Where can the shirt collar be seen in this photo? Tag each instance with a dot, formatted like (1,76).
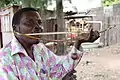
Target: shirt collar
(17,47)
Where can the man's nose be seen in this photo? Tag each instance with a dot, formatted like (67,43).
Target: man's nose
(38,28)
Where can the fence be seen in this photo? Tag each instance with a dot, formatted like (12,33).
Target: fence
(110,17)
(112,36)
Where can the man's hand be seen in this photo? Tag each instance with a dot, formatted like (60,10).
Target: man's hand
(94,35)
(70,75)
(89,36)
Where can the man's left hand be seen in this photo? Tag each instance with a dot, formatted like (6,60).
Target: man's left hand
(70,75)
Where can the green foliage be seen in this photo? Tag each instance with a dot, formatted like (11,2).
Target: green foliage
(42,4)
(110,2)
(4,3)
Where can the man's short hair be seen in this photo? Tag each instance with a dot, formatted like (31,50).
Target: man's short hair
(18,14)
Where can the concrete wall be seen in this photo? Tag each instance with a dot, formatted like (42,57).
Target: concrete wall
(110,16)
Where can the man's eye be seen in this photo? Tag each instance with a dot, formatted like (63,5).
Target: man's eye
(27,23)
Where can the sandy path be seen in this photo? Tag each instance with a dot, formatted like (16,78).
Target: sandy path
(99,65)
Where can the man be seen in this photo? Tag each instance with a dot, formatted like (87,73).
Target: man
(25,58)
(52,46)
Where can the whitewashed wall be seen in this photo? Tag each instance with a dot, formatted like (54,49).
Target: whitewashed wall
(6,25)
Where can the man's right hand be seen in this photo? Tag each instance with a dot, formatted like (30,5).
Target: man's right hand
(90,36)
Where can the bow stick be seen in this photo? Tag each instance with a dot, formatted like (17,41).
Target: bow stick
(31,35)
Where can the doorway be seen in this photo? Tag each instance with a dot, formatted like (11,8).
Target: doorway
(1,44)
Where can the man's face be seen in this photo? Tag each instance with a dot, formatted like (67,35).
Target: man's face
(30,23)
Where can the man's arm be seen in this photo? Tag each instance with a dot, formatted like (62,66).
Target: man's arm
(85,37)
(58,66)
(3,75)
(6,70)
(6,73)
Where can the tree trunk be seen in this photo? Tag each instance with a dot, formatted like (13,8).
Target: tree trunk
(60,24)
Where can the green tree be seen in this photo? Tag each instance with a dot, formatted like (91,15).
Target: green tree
(4,3)
(110,2)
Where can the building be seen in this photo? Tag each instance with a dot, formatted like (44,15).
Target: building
(6,15)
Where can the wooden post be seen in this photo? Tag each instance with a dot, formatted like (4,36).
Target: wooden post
(107,32)
(60,23)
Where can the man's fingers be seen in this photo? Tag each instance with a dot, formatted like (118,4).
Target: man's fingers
(70,75)
(94,36)
(72,72)
(97,33)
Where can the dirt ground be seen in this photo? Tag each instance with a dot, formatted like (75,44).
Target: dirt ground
(100,64)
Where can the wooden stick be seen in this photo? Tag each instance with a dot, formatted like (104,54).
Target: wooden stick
(52,33)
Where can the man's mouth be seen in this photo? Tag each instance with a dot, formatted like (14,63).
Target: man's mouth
(36,36)
(37,31)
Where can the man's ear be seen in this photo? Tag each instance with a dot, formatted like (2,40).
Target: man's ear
(16,28)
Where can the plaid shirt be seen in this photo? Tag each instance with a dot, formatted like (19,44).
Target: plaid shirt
(15,64)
